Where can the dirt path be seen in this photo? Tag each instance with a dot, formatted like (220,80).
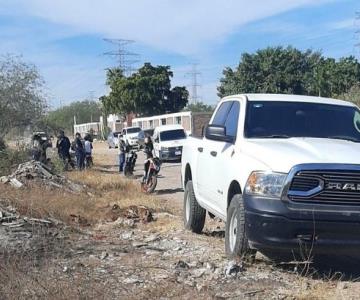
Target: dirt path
(169,180)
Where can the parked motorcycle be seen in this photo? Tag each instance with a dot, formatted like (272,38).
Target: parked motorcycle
(150,181)
(130,162)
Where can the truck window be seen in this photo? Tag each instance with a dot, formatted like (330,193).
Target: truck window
(269,119)
(222,113)
(232,119)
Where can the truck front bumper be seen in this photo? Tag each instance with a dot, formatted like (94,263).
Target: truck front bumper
(274,225)
(133,143)
(170,155)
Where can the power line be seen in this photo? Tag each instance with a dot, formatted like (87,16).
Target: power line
(357,30)
(125,59)
(194,73)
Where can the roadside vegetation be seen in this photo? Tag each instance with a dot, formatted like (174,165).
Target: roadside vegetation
(288,70)
(10,158)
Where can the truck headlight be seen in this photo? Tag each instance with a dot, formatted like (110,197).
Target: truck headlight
(267,184)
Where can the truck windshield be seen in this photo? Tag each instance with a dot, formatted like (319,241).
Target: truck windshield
(170,135)
(277,119)
(133,130)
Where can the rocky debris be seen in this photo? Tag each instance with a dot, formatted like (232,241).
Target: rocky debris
(233,268)
(181,265)
(137,213)
(34,171)
(19,233)
(8,215)
(104,255)
(79,220)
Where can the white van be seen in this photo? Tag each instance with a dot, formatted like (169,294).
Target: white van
(169,141)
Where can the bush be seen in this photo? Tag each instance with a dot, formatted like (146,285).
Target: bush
(10,158)
(2,144)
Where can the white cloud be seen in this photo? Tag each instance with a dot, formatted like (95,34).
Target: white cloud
(343,24)
(187,27)
(184,26)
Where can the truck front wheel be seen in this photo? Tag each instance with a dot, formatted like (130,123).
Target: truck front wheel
(236,242)
(194,214)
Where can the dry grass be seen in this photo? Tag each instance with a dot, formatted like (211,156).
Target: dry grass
(20,278)
(105,191)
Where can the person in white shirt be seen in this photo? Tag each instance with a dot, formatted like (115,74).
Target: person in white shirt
(88,149)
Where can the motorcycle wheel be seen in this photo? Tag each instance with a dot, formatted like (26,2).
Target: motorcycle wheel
(127,172)
(150,186)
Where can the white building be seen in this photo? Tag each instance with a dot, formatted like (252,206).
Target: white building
(193,122)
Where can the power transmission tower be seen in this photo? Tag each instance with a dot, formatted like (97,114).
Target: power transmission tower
(194,73)
(125,59)
(357,31)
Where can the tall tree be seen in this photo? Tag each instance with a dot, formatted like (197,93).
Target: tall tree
(21,94)
(290,71)
(146,92)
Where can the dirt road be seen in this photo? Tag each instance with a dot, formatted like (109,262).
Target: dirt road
(169,180)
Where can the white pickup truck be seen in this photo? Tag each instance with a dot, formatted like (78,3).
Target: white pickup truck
(283,172)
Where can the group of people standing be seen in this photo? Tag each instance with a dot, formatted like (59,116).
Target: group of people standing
(82,147)
(124,149)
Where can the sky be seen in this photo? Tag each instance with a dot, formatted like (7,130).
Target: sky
(65,38)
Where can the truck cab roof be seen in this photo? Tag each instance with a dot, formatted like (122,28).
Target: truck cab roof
(168,127)
(289,98)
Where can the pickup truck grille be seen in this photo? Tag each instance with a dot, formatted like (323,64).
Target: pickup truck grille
(337,187)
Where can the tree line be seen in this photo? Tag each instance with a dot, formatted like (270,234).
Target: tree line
(290,71)
(149,91)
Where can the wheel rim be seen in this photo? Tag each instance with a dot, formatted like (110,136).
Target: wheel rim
(233,231)
(187,207)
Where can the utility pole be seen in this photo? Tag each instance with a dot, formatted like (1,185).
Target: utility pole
(125,59)
(194,73)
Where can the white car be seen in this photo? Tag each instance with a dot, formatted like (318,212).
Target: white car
(130,136)
(283,172)
(168,142)
(113,139)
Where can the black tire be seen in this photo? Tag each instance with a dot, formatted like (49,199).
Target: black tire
(193,214)
(127,172)
(236,242)
(149,188)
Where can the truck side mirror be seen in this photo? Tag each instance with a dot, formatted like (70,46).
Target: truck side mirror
(218,133)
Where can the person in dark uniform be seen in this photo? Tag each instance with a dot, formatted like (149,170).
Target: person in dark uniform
(63,145)
(79,151)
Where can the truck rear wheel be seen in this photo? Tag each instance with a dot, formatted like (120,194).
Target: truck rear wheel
(236,242)
(194,214)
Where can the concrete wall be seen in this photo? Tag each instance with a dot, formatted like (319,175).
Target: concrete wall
(199,121)
(186,123)
(169,120)
(192,122)
(95,127)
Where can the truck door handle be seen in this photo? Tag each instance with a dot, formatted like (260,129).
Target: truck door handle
(213,153)
(200,149)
